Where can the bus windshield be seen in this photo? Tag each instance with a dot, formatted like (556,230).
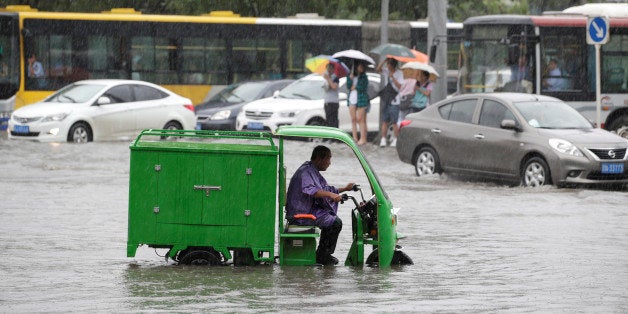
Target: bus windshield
(9,56)
(496,58)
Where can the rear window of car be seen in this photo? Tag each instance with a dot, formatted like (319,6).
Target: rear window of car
(461,111)
(143,93)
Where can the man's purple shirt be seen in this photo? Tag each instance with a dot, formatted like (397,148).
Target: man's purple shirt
(305,182)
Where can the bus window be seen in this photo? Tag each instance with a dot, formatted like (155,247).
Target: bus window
(215,55)
(106,57)
(193,50)
(254,59)
(562,58)
(165,65)
(39,48)
(615,64)
(143,58)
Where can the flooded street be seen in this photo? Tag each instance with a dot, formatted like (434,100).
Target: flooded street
(476,247)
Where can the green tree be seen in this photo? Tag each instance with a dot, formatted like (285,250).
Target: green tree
(366,10)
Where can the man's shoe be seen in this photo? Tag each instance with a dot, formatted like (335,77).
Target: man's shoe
(326,259)
(393,143)
(382,142)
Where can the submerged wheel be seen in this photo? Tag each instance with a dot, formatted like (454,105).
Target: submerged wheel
(199,256)
(243,257)
(398,258)
(427,162)
(401,258)
(80,132)
(535,173)
(373,258)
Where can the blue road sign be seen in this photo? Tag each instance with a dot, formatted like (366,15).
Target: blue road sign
(597,30)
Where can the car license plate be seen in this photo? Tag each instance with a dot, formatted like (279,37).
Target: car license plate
(255,125)
(612,167)
(198,126)
(20,129)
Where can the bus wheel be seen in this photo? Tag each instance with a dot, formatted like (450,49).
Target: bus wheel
(199,256)
(80,132)
(620,126)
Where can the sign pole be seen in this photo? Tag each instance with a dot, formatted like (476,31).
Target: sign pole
(597,34)
(598,85)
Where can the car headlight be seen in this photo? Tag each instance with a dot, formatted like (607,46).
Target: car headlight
(565,147)
(222,115)
(55,117)
(288,114)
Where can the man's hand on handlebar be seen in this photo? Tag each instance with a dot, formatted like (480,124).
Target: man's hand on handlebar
(349,187)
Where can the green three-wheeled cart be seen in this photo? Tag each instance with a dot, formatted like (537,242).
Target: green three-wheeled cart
(214,196)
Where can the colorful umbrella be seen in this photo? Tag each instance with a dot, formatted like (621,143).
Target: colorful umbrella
(319,64)
(393,49)
(418,57)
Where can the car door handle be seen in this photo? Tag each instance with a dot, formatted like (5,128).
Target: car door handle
(479,136)
(435,131)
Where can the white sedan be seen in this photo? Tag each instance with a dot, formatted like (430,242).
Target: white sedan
(301,103)
(100,110)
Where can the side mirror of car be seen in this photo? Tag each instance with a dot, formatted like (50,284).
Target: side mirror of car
(276,94)
(510,124)
(104,100)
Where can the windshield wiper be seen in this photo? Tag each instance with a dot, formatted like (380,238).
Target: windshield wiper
(301,96)
(68,97)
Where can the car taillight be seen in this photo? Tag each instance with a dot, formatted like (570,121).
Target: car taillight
(189,107)
(404,123)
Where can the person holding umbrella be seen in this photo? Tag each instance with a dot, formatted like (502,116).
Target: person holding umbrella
(359,82)
(331,96)
(388,98)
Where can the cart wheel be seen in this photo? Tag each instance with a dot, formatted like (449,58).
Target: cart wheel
(400,258)
(199,256)
(373,258)
(243,257)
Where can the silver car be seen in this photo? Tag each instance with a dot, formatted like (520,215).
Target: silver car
(531,139)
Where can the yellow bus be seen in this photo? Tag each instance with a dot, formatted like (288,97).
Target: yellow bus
(186,54)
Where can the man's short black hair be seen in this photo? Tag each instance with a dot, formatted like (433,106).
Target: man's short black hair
(320,152)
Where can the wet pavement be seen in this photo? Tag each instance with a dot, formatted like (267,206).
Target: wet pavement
(476,246)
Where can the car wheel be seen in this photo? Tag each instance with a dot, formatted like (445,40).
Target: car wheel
(535,173)
(80,132)
(427,162)
(316,122)
(173,125)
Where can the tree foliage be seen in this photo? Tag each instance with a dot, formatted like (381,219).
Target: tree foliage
(366,10)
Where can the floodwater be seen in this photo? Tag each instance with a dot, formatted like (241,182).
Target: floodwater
(476,247)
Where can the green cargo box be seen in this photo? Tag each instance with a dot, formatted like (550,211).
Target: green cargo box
(208,192)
